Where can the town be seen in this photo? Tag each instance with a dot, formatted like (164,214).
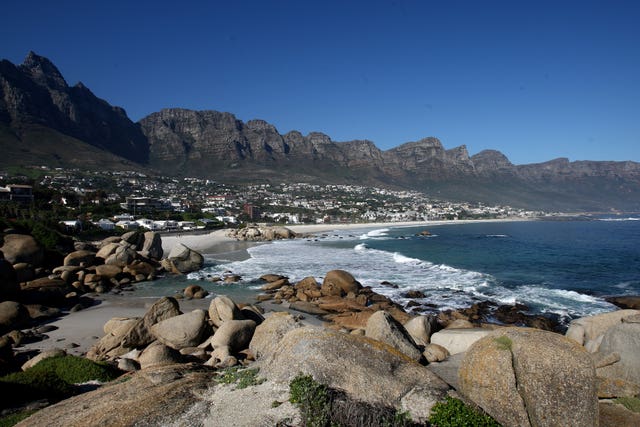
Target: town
(131,199)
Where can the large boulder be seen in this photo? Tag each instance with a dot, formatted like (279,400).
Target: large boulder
(383,327)
(530,377)
(269,333)
(123,255)
(183,260)
(420,328)
(108,271)
(107,250)
(458,340)
(588,330)
(140,334)
(158,395)
(22,248)
(82,257)
(235,334)
(365,369)
(622,340)
(342,280)
(222,308)
(185,330)
(152,245)
(157,354)
(13,315)
(111,345)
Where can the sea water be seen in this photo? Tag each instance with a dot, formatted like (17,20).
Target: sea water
(565,268)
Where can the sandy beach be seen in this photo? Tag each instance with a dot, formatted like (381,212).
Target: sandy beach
(77,332)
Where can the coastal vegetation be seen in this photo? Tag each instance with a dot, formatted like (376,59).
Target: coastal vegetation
(455,413)
(52,379)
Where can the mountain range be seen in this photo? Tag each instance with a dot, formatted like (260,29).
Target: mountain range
(44,121)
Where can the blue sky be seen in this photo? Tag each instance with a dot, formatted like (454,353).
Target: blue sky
(535,80)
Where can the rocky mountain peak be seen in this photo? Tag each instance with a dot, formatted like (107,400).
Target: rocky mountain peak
(491,160)
(43,71)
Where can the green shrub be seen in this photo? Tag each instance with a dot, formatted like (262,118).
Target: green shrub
(631,403)
(243,378)
(312,398)
(76,370)
(454,413)
(321,406)
(504,342)
(15,418)
(52,379)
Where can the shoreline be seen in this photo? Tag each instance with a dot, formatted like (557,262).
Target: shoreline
(76,332)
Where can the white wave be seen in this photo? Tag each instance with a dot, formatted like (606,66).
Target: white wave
(619,219)
(444,285)
(497,235)
(361,247)
(382,232)
(399,258)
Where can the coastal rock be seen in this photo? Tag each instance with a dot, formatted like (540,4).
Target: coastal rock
(22,248)
(149,399)
(590,328)
(221,309)
(382,327)
(529,377)
(140,267)
(13,315)
(626,302)
(435,353)
(375,373)
(195,291)
(267,335)
(253,232)
(622,340)
(158,354)
(272,277)
(235,334)
(420,328)
(107,250)
(275,285)
(108,271)
(185,330)
(82,257)
(183,260)
(152,245)
(458,340)
(307,307)
(46,291)
(123,255)
(341,279)
(112,344)
(140,334)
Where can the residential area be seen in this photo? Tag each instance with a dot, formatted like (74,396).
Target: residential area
(133,200)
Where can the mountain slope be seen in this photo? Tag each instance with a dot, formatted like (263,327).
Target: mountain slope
(45,121)
(35,93)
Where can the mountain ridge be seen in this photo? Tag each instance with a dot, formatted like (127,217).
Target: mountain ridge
(35,97)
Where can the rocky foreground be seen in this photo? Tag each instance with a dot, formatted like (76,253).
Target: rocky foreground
(346,336)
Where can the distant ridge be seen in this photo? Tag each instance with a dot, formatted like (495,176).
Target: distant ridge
(44,120)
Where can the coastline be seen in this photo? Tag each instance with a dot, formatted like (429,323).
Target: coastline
(77,332)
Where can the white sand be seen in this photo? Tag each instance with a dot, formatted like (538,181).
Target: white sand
(319,228)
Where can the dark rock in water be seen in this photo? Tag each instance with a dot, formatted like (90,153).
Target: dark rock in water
(414,294)
(632,302)
(389,284)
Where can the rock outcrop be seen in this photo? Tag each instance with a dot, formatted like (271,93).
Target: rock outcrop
(529,377)
(182,260)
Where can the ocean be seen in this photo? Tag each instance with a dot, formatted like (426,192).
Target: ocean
(563,268)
